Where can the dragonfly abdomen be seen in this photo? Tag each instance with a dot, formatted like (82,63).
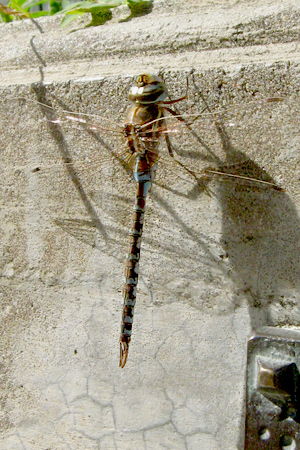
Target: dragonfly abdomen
(131,268)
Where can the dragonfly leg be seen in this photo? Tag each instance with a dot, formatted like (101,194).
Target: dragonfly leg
(177,116)
(171,153)
(169,146)
(177,100)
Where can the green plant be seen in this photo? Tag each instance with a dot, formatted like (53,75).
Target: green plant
(100,10)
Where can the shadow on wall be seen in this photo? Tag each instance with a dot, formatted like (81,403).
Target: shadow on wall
(260,235)
(259,230)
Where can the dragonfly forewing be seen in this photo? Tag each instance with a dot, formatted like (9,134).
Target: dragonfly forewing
(203,143)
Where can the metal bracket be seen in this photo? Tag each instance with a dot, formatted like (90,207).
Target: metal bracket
(273,390)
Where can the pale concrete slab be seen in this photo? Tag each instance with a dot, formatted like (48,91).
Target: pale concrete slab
(212,266)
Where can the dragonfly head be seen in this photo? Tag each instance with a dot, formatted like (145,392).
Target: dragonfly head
(148,89)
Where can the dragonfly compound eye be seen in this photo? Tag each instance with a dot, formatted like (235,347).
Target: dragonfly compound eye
(148,89)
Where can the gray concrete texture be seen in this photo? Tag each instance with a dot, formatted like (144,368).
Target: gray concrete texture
(218,259)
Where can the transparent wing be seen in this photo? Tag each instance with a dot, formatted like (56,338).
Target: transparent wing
(77,162)
(220,143)
(202,143)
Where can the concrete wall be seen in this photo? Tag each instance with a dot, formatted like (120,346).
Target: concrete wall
(216,262)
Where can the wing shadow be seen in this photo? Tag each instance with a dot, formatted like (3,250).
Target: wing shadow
(66,156)
(259,229)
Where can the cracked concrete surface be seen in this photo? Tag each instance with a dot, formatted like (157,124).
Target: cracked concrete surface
(215,263)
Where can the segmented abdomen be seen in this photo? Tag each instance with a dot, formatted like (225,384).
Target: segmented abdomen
(131,269)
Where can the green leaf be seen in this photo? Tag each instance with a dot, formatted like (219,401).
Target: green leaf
(8,14)
(54,6)
(16,2)
(4,18)
(88,6)
(69,18)
(37,14)
(31,3)
(109,3)
(17,6)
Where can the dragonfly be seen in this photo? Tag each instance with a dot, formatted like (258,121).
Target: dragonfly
(151,120)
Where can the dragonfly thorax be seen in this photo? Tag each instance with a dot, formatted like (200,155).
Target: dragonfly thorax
(148,89)
(142,130)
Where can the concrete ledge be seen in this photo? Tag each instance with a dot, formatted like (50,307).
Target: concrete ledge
(201,37)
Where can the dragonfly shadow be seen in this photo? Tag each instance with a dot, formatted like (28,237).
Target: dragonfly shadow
(259,230)
(66,156)
(259,224)
(83,230)
(189,231)
(102,142)
(86,232)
